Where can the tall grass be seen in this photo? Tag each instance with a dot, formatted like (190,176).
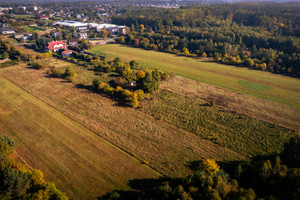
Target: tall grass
(237,132)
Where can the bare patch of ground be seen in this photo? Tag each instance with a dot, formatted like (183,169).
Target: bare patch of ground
(4,60)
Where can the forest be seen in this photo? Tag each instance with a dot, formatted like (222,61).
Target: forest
(264,36)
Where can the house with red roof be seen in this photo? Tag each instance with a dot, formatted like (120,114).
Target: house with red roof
(43,17)
(56,45)
(67,53)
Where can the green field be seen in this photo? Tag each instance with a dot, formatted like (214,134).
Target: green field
(79,162)
(23,16)
(34,29)
(274,87)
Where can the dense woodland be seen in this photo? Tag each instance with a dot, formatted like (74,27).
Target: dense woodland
(264,36)
(17,181)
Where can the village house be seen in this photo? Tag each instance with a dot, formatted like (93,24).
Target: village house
(73,42)
(43,17)
(19,35)
(23,36)
(132,84)
(26,37)
(55,46)
(67,53)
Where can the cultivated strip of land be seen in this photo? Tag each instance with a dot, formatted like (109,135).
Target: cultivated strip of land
(80,163)
(164,147)
(273,87)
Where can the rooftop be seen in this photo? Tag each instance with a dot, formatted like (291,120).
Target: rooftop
(71,23)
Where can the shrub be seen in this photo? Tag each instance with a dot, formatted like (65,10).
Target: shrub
(38,65)
(249,62)
(102,85)
(70,72)
(5,55)
(108,90)
(96,82)
(55,72)
(140,94)
(132,100)
(119,81)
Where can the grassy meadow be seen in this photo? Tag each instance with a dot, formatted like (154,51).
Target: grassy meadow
(164,147)
(273,87)
(33,29)
(237,132)
(79,162)
(23,16)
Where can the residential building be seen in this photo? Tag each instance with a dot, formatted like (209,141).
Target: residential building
(67,53)
(26,37)
(23,36)
(56,45)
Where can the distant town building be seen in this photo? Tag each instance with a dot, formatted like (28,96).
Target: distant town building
(5,8)
(84,26)
(77,25)
(23,36)
(7,30)
(22,7)
(55,46)
(81,35)
(43,17)
(55,34)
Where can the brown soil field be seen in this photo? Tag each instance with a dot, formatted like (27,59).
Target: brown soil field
(80,163)
(162,146)
(270,111)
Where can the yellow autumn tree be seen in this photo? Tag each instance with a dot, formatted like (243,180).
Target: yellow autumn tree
(140,74)
(210,166)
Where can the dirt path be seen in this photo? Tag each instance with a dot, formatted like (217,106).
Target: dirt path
(4,60)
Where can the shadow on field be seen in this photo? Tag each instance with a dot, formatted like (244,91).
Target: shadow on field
(136,185)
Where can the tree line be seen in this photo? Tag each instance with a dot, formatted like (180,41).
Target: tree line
(206,31)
